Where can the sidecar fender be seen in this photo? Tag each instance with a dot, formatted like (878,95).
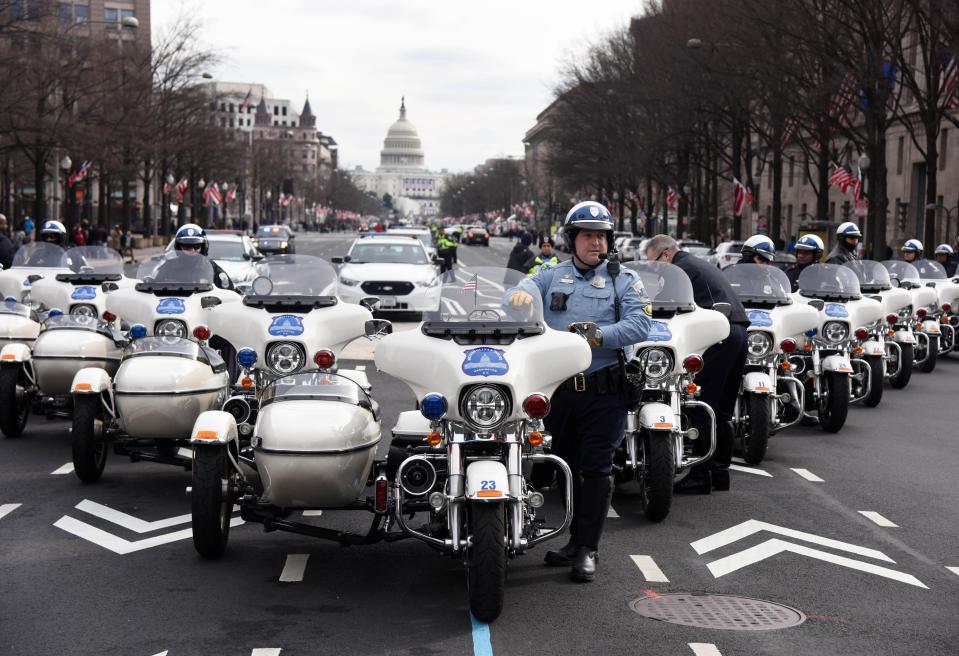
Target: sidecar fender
(15,354)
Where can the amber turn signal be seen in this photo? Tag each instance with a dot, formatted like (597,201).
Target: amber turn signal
(433,438)
(535,438)
(246,383)
(692,388)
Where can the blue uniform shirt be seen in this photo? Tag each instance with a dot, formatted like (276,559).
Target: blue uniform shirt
(589,297)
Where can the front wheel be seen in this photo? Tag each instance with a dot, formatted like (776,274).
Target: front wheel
(932,354)
(834,401)
(14,408)
(211,500)
(487,561)
(657,473)
(877,373)
(901,379)
(756,437)
(89,444)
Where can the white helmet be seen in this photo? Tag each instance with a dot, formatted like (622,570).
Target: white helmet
(848,229)
(54,229)
(944,249)
(810,243)
(912,246)
(761,246)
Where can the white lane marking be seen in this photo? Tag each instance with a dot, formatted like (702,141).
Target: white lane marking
(129,521)
(162,653)
(612,514)
(360,367)
(66,469)
(954,570)
(312,513)
(184,452)
(117,544)
(877,518)
(266,651)
(808,475)
(8,508)
(650,569)
(294,569)
(704,649)
(752,526)
(776,546)
(751,470)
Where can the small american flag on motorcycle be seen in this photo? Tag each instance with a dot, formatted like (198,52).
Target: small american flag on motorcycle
(470,285)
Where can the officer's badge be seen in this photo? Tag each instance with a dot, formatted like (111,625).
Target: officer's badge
(594,211)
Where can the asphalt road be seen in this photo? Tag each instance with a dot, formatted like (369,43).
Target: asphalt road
(875,583)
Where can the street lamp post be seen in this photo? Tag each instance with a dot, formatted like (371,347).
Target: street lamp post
(67,165)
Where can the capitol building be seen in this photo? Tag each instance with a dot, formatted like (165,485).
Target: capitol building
(402,172)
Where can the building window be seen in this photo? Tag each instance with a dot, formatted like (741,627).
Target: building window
(792,170)
(284,111)
(803,214)
(231,122)
(222,107)
(276,123)
(789,214)
(231,108)
(943,149)
(293,123)
(900,151)
(276,110)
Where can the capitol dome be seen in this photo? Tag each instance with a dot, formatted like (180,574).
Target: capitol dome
(402,147)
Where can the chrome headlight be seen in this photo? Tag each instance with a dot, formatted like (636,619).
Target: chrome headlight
(84,310)
(349,282)
(285,358)
(485,406)
(835,331)
(170,328)
(905,313)
(658,363)
(758,344)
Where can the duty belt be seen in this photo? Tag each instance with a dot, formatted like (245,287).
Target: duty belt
(603,381)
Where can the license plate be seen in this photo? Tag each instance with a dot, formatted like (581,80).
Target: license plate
(387,301)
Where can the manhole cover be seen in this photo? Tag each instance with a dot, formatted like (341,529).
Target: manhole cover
(716,611)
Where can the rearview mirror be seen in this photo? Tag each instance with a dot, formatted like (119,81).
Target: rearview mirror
(931,284)
(817,303)
(209,301)
(378,327)
(109,287)
(33,277)
(724,309)
(370,303)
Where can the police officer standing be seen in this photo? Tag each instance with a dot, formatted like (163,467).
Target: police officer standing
(847,236)
(545,256)
(723,363)
(587,418)
(445,248)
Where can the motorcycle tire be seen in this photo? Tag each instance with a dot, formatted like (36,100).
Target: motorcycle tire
(877,374)
(756,438)
(89,446)
(656,479)
(14,409)
(487,561)
(834,406)
(211,501)
(933,350)
(901,379)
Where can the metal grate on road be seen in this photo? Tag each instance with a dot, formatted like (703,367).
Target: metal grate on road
(716,611)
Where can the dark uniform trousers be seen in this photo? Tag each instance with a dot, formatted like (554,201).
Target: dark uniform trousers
(720,381)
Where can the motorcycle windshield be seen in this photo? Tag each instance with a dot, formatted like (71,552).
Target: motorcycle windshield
(903,271)
(178,347)
(39,254)
(759,283)
(929,270)
(299,275)
(872,276)
(667,286)
(77,322)
(830,282)
(478,297)
(177,271)
(315,385)
(91,264)
(11,306)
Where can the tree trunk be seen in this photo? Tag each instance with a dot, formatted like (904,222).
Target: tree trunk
(125,218)
(147,215)
(39,184)
(775,221)
(736,135)
(932,186)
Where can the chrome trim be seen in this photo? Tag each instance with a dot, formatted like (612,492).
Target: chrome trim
(691,462)
(892,345)
(801,394)
(568,518)
(866,372)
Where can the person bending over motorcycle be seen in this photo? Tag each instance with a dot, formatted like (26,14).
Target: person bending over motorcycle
(809,249)
(912,250)
(847,236)
(943,255)
(191,239)
(587,418)
(758,249)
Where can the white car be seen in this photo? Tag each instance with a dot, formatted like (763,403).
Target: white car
(726,254)
(423,234)
(234,252)
(395,269)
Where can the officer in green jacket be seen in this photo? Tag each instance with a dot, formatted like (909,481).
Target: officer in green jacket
(545,256)
(445,248)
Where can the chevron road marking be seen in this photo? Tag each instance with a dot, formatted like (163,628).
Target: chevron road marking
(751,470)
(7,508)
(118,545)
(65,469)
(129,521)
(649,568)
(704,649)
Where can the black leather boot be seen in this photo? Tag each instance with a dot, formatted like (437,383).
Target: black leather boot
(584,565)
(595,496)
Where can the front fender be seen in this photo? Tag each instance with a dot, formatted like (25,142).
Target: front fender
(837,364)
(90,380)
(756,382)
(904,337)
(486,480)
(15,354)
(931,327)
(873,347)
(214,427)
(656,416)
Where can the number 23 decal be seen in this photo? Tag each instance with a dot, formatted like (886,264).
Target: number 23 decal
(487,485)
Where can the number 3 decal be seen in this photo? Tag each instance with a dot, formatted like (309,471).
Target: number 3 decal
(487,485)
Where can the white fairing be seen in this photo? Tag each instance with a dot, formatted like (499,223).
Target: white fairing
(147,309)
(15,329)
(687,333)
(923,297)
(757,382)
(13,282)
(947,292)
(59,354)
(894,300)
(791,321)
(314,453)
(486,481)
(536,365)
(854,314)
(64,295)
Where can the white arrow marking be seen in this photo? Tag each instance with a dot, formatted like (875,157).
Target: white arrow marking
(877,518)
(265,651)
(753,526)
(8,508)
(294,568)
(612,514)
(704,649)
(66,469)
(650,569)
(776,546)
(808,475)
(954,570)
(129,521)
(751,470)
(117,544)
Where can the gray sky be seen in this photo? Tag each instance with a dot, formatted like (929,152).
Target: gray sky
(475,74)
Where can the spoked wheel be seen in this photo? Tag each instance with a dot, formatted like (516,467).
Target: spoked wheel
(211,499)
(487,560)
(877,374)
(834,402)
(756,437)
(14,408)
(932,354)
(657,474)
(89,443)
(901,379)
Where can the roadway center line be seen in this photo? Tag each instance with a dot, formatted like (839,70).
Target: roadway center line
(650,569)
(954,570)
(66,469)
(266,651)
(294,568)
(704,649)
(481,641)
(877,518)
(808,475)
(7,508)
(751,470)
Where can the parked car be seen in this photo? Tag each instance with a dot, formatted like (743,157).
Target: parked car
(275,240)
(694,247)
(726,254)
(476,235)
(632,248)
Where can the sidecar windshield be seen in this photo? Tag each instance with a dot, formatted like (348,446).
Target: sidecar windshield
(759,283)
(90,265)
(176,272)
(929,270)
(904,271)
(830,282)
(667,286)
(293,283)
(179,347)
(872,276)
(313,385)
(38,254)
(11,306)
(77,322)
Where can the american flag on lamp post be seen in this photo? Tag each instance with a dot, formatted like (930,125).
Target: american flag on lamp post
(843,178)
(741,196)
(672,199)
(181,188)
(949,84)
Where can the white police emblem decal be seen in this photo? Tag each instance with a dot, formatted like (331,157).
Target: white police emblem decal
(485,361)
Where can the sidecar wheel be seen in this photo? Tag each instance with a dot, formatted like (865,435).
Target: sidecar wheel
(932,352)
(211,500)
(877,373)
(834,406)
(656,479)
(756,438)
(14,408)
(487,561)
(901,379)
(89,445)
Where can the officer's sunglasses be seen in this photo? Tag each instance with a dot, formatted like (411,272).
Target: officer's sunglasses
(659,257)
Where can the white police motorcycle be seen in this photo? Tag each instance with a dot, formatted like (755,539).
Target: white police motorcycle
(298,434)
(770,399)
(922,311)
(20,316)
(483,374)
(167,375)
(932,274)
